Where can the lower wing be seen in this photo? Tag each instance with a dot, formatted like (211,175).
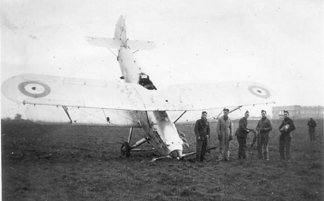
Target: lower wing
(81,115)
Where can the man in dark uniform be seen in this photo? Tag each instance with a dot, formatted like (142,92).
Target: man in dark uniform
(287,125)
(241,134)
(311,129)
(202,131)
(264,127)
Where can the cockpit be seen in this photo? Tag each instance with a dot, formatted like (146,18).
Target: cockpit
(145,81)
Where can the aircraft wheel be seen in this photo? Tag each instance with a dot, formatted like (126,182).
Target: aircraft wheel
(125,149)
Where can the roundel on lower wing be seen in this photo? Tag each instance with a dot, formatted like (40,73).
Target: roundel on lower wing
(34,89)
(259,91)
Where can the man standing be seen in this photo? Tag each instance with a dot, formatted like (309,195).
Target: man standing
(311,129)
(241,134)
(264,127)
(202,131)
(225,135)
(285,129)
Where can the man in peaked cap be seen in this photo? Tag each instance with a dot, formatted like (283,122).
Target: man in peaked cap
(225,135)
(241,134)
(264,127)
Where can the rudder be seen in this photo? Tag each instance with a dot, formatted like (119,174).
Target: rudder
(120,31)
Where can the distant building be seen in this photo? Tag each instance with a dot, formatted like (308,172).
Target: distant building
(298,112)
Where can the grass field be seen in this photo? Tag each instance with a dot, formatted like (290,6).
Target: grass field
(52,162)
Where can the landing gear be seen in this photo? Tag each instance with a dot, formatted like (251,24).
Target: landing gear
(125,150)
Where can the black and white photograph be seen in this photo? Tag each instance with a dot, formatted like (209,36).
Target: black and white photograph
(162,100)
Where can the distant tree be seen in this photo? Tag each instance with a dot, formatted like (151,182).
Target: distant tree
(18,117)
(6,119)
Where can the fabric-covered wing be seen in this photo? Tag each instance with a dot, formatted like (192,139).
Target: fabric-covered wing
(77,115)
(59,91)
(227,94)
(83,93)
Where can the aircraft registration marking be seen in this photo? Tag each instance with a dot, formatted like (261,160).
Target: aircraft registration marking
(259,91)
(34,89)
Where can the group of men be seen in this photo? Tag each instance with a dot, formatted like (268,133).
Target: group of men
(225,131)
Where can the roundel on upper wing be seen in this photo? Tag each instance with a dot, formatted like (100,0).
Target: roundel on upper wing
(34,89)
(259,91)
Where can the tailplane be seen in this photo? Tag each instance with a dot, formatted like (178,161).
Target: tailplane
(120,39)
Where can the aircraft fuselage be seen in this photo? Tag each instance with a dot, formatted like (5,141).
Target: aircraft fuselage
(159,128)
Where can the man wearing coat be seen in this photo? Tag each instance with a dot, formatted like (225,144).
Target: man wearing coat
(264,127)
(202,132)
(241,134)
(311,129)
(225,135)
(286,127)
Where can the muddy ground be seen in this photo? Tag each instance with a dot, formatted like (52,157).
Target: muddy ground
(55,162)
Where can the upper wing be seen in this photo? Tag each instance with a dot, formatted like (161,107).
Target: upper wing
(59,91)
(227,94)
(83,93)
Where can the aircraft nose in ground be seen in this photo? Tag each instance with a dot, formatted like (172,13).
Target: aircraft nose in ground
(176,154)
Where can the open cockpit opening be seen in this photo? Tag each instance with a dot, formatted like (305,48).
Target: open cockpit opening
(145,81)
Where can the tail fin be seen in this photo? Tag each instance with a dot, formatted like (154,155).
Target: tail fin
(120,31)
(120,39)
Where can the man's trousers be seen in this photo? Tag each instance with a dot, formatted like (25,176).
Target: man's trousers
(201,147)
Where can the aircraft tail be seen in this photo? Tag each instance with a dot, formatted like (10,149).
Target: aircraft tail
(120,39)
(120,31)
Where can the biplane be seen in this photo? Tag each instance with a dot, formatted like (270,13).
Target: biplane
(135,102)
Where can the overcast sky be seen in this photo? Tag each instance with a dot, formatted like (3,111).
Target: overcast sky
(276,43)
